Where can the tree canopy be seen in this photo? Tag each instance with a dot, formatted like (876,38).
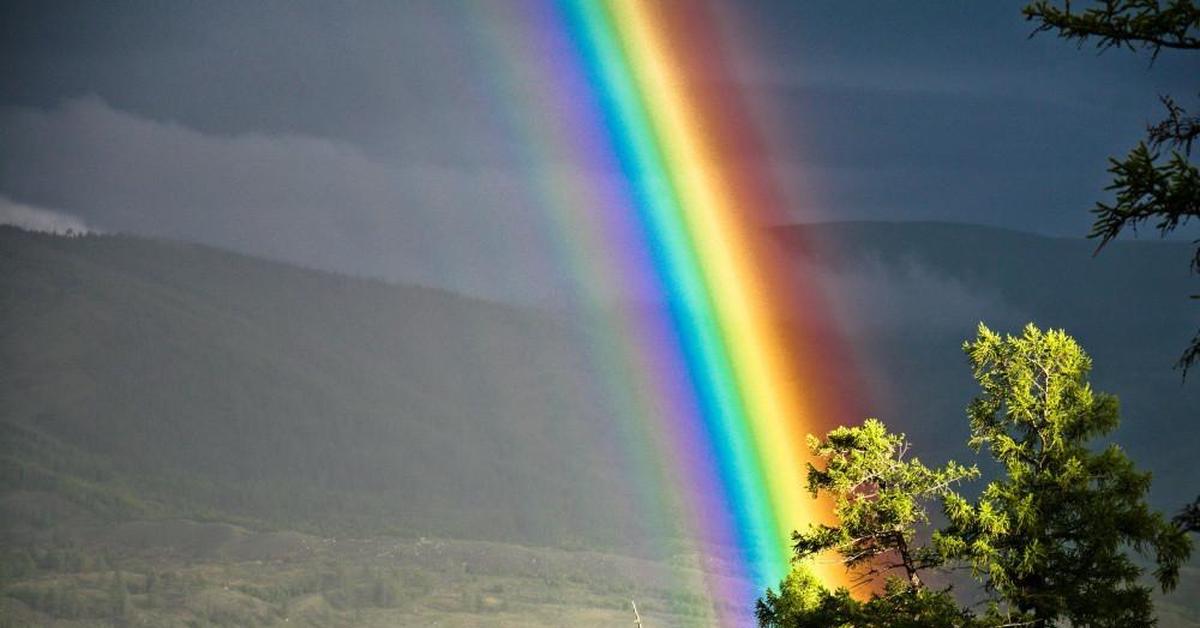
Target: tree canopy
(1133,24)
(879,494)
(878,498)
(1049,538)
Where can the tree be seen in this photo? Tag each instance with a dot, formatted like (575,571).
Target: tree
(1188,519)
(1050,536)
(879,496)
(878,500)
(1050,539)
(1134,24)
(802,602)
(1149,186)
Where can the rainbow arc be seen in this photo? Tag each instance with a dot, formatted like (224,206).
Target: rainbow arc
(744,359)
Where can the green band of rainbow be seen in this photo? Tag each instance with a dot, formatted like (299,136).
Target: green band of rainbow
(744,360)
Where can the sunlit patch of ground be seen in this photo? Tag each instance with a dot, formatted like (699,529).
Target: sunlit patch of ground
(183,573)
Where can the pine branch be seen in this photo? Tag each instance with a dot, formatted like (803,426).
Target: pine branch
(1132,24)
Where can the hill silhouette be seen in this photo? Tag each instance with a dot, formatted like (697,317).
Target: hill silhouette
(149,377)
(155,378)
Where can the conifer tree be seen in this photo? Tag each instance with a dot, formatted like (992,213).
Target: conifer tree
(1050,537)
(879,494)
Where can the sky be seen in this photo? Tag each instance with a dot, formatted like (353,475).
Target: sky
(370,137)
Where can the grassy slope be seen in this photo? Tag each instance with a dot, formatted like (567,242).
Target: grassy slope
(160,380)
(179,573)
(206,381)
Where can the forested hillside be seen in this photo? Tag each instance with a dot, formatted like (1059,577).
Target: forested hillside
(148,377)
(147,384)
(153,378)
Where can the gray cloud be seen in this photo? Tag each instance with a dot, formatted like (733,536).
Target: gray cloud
(401,80)
(386,138)
(872,297)
(39,219)
(307,200)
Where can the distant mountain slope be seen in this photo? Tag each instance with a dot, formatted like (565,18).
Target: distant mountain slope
(144,377)
(912,292)
(207,381)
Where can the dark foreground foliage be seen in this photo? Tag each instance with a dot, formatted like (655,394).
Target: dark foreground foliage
(1049,539)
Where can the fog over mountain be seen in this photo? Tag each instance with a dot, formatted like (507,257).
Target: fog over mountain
(107,332)
(152,379)
(369,142)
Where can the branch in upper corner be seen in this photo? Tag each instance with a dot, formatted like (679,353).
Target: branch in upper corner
(1133,24)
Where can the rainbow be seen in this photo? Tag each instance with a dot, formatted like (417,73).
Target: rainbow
(722,385)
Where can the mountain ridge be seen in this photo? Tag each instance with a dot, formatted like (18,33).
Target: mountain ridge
(129,348)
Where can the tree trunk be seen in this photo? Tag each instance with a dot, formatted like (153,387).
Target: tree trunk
(910,568)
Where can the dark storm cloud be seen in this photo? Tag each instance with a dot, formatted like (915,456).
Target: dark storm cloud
(921,155)
(310,201)
(351,137)
(397,78)
(947,110)
(367,137)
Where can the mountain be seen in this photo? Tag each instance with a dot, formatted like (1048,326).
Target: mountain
(202,381)
(911,293)
(157,385)
(149,380)
(159,377)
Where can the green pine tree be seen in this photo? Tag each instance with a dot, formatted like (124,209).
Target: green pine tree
(1050,537)
(879,495)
